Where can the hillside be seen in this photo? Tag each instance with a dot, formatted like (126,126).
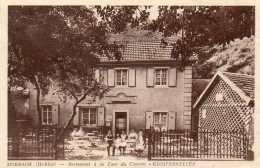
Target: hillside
(238,57)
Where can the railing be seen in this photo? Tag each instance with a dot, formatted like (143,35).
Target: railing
(186,144)
(35,143)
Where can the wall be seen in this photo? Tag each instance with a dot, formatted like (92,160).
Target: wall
(143,99)
(177,99)
(187,97)
(228,114)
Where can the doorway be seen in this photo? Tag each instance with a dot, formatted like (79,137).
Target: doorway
(120,122)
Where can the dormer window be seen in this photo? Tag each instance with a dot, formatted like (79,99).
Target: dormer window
(121,77)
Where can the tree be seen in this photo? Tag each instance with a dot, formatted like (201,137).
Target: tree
(84,42)
(31,48)
(80,46)
(61,44)
(117,18)
(203,25)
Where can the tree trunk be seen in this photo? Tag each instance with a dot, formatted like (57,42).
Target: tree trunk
(60,134)
(38,94)
(62,131)
(72,116)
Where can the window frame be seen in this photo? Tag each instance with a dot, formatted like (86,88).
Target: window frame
(89,116)
(121,77)
(160,119)
(160,77)
(47,114)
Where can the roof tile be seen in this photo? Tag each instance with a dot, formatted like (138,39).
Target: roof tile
(245,82)
(141,51)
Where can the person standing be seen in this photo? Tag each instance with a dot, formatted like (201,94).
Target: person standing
(123,142)
(139,144)
(109,140)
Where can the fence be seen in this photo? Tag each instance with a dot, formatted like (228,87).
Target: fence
(202,145)
(35,143)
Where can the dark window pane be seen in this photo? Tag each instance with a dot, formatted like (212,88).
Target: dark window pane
(85,116)
(93,116)
(44,117)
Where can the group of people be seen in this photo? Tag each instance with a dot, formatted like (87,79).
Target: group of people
(77,132)
(121,141)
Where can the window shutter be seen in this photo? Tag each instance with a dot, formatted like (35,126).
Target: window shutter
(97,75)
(103,75)
(101,116)
(76,117)
(148,119)
(131,77)
(171,120)
(172,77)
(111,77)
(55,114)
(149,77)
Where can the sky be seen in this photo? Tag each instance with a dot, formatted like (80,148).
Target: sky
(153,13)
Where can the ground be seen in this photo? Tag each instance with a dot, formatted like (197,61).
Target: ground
(92,148)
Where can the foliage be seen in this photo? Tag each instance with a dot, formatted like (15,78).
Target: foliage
(31,48)
(204,25)
(117,18)
(61,44)
(29,39)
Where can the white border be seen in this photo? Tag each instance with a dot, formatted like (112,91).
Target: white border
(3,70)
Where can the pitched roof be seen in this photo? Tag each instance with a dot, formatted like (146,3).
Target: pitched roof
(242,84)
(141,51)
(243,81)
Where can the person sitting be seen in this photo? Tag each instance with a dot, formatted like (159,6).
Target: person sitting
(116,144)
(139,144)
(74,132)
(109,140)
(122,146)
(80,132)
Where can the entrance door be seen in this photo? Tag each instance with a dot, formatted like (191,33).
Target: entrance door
(121,122)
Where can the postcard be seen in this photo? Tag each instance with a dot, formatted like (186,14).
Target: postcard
(91,84)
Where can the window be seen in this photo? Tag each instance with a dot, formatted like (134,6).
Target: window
(204,113)
(160,119)
(47,114)
(219,97)
(121,77)
(89,116)
(161,76)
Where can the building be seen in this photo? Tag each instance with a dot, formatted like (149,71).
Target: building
(147,89)
(227,104)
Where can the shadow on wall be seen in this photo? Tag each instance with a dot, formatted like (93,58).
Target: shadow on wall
(18,111)
(198,86)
